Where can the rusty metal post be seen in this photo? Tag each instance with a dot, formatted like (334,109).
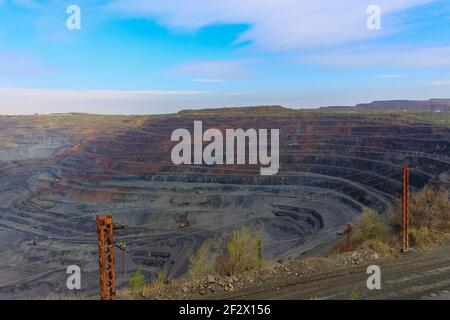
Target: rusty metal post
(101,255)
(349,236)
(405,209)
(106,263)
(110,258)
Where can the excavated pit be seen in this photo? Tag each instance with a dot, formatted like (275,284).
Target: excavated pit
(54,180)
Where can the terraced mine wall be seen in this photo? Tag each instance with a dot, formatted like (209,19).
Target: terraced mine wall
(55,178)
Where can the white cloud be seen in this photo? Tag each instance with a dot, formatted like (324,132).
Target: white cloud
(434,57)
(439,83)
(209,80)
(19,64)
(390,76)
(212,70)
(26,3)
(27,101)
(92,94)
(274,24)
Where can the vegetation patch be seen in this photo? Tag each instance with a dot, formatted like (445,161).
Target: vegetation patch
(239,252)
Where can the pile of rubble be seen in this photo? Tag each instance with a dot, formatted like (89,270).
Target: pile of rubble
(355,258)
(214,284)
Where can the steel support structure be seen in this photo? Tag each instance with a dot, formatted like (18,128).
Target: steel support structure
(349,237)
(106,263)
(405,209)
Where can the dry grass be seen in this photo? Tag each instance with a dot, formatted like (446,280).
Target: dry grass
(425,238)
(429,207)
(429,223)
(339,246)
(429,217)
(382,247)
(201,263)
(158,282)
(73,296)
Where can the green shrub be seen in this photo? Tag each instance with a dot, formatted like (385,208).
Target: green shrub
(239,252)
(354,295)
(243,251)
(137,281)
(369,226)
(201,263)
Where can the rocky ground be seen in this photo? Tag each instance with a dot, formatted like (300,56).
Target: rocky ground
(413,275)
(210,287)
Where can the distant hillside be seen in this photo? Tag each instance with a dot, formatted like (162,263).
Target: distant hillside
(426,105)
(250,110)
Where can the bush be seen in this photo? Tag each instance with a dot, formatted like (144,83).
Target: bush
(429,207)
(227,256)
(243,251)
(355,294)
(201,263)
(137,281)
(369,226)
(429,216)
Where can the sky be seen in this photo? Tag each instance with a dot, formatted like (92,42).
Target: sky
(155,56)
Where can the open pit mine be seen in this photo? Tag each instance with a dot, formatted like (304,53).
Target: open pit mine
(58,171)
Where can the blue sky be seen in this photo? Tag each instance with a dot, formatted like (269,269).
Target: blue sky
(154,56)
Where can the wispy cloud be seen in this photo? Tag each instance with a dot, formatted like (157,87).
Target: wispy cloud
(26,3)
(439,83)
(274,24)
(433,57)
(390,76)
(212,71)
(21,64)
(28,100)
(210,80)
(94,94)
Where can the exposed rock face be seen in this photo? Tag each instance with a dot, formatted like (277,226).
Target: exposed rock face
(436,105)
(331,166)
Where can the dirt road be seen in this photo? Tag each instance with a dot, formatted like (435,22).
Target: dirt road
(413,276)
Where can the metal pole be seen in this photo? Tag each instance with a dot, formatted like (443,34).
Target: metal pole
(106,263)
(349,236)
(111,270)
(405,209)
(101,256)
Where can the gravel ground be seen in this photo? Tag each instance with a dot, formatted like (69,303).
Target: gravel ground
(210,287)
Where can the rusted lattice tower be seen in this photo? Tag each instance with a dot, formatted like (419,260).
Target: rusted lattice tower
(106,264)
(405,211)
(349,236)
(349,232)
